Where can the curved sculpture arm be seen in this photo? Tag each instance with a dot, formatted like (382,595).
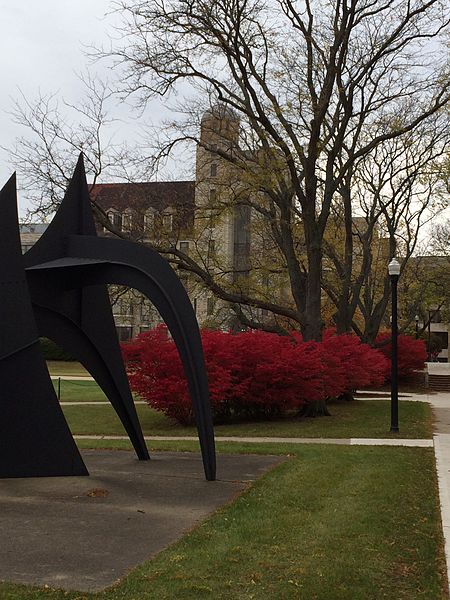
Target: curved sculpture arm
(148,272)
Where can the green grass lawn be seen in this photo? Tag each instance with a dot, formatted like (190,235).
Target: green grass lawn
(79,391)
(360,418)
(62,367)
(331,523)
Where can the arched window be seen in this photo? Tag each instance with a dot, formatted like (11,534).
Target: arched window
(115,218)
(167,221)
(127,220)
(149,221)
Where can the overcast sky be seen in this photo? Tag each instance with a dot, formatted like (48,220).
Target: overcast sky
(41,49)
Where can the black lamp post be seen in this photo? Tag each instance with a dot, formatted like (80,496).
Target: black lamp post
(394,273)
(416,319)
(430,316)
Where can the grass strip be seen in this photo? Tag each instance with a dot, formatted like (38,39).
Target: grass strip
(359,418)
(61,367)
(332,523)
(79,391)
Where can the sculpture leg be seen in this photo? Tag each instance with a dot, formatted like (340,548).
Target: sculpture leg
(35,440)
(110,377)
(187,339)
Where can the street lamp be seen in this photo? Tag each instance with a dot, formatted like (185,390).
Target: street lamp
(430,316)
(416,319)
(394,273)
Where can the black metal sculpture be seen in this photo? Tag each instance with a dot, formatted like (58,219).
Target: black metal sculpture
(58,290)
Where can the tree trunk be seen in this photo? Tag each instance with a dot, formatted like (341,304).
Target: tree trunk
(313,324)
(373,321)
(342,317)
(318,408)
(347,396)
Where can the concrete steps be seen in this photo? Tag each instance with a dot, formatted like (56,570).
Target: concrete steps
(439,383)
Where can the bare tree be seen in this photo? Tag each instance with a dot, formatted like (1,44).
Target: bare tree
(317,87)
(440,238)
(56,131)
(396,190)
(318,92)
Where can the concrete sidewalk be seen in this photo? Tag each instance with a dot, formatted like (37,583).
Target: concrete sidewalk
(420,443)
(440,403)
(72,377)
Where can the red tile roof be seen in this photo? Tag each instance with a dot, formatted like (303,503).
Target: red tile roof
(159,195)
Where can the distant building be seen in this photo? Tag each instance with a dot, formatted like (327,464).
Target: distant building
(186,214)
(30,233)
(146,212)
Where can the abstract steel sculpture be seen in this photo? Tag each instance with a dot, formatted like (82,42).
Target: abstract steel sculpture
(58,290)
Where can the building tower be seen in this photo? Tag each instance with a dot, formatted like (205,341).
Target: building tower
(221,222)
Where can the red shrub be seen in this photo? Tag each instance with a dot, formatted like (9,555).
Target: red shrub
(155,372)
(251,374)
(412,353)
(357,365)
(273,373)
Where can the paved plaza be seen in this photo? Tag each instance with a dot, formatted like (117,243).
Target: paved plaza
(85,533)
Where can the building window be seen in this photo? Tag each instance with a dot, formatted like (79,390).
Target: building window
(115,219)
(167,221)
(212,196)
(149,221)
(213,170)
(146,311)
(184,247)
(124,333)
(126,307)
(211,246)
(209,306)
(126,222)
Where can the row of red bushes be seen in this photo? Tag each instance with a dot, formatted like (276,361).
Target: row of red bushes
(256,374)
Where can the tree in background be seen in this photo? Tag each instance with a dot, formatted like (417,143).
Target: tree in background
(59,131)
(319,90)
(397,189)
(317,87)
